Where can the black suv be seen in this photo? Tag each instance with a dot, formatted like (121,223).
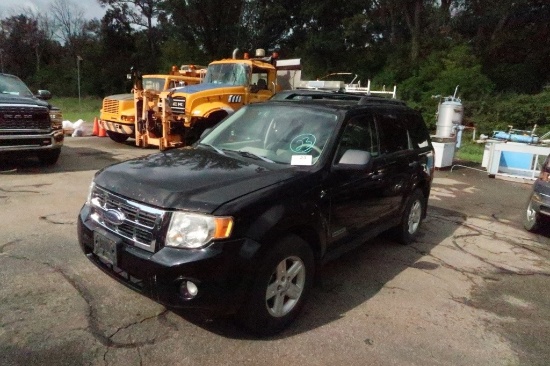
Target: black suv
(28,124)
(241,221)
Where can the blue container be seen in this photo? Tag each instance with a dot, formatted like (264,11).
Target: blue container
(516,160)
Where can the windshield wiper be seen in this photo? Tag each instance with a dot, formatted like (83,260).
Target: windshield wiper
(219,151)
(253,156)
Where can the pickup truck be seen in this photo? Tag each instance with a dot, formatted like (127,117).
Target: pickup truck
(28,124)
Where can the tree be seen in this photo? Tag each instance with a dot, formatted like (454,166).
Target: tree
(19,34)
(70,22)
(513,40)
(141,13)
(211,25)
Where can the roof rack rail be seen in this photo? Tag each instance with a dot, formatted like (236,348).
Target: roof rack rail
(357,88)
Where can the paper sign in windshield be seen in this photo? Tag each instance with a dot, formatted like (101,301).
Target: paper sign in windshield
(301,160)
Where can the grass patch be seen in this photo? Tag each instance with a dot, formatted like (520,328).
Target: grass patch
(470,150)
(73,110)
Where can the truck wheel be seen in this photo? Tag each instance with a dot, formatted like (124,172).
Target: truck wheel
(117,137)
(532,219)
(49,157)
(411,219)
(281,287)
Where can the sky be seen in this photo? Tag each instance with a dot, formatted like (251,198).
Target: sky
(91,8)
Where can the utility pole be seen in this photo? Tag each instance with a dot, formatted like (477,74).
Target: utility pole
(2,58)
(78,59)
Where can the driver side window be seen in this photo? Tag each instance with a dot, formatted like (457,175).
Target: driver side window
(359,134)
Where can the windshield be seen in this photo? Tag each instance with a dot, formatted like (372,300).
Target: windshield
(278,133)
(153,83)
(10,84)
(230,74)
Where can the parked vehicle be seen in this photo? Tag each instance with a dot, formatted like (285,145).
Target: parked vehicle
(241,221)
(28,124)
(538,206)
(120,112)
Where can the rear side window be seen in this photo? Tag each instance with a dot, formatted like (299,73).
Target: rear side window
(419,135)
(394,136)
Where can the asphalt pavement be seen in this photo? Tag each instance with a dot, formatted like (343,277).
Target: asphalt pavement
(472,290)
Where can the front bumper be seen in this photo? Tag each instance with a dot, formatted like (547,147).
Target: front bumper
(540,200)
(28,141)
(223,272)
(124,128)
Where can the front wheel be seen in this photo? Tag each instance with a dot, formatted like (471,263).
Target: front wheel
(532,219)
(280,288)
(117,137)
(412,218)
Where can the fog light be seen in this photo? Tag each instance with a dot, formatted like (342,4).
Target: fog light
(188,290)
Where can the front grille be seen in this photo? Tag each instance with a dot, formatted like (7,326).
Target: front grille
(110,106)
(141,223)
(178,105)
(24,118)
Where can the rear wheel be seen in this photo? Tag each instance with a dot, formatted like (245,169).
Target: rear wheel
(532,219)
(409,226)
(117,137)
(281,287)
(49,157)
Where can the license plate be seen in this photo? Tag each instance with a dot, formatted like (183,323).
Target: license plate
(105,248)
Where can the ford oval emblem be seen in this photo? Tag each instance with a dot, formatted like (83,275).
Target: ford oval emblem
(114,217)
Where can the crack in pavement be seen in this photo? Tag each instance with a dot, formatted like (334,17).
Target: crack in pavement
(13,242)
(17,191)
(48,219)
(93,322)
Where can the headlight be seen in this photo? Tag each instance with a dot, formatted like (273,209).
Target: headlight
(89,197)
(57,119)
(189,230)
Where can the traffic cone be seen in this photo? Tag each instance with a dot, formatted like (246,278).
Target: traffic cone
(102,132)
(95,131)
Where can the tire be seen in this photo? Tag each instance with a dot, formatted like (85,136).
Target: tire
(277,296)
(117,137)
(532,219)
(409,226)
(49,157)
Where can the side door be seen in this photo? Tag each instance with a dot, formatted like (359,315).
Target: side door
(401,163)
(356,197)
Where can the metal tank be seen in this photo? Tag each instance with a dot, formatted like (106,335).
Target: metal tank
(449,114)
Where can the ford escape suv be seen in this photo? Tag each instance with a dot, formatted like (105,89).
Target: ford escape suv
(240,221)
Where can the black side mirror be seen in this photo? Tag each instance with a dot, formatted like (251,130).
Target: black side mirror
(357,160)
(44,95)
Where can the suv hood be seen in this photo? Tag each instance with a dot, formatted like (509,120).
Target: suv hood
(193,179)
(16,99)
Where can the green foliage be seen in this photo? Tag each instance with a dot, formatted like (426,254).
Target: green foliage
(495,51)
(439,76)
(73,109)
(521,111)
(470,150)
